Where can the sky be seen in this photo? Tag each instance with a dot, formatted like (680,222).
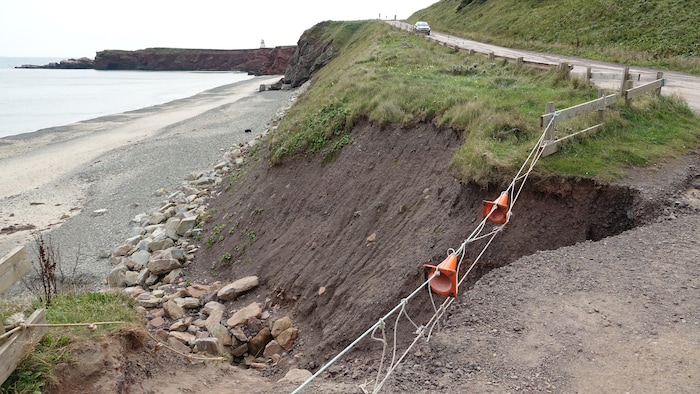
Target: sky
(80,28)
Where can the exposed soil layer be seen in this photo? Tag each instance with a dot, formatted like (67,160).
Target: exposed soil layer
(306,228)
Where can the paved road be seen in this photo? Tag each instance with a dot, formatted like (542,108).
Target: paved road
(686,85)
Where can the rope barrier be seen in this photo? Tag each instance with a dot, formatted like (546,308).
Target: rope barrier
(521,176)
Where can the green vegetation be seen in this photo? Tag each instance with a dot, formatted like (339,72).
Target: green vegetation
(391,76)
(36,369)
(661,33)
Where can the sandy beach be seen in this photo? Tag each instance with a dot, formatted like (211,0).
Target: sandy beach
(54,178)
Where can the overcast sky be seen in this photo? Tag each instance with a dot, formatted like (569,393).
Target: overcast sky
(77,28)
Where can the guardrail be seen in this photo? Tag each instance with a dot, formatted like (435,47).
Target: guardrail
(551,117)
(12,347)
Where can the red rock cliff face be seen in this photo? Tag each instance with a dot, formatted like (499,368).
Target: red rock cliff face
(262,61)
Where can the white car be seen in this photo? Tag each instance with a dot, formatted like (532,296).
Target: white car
(421,27)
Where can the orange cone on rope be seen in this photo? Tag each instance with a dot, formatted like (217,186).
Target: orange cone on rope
(499,215)
(445,283)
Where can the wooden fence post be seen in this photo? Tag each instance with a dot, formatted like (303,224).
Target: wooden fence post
(628,85)
(492,56)
(589,75)
(625,77)
(659,75)
(519,61)
(601,108)
(549,109)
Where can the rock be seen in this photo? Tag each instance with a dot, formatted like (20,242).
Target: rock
(140,258)
(215,312)
(208,345)
(188,302)
(115,278)
(122,250)
(257,344)
(173,310)
(240,350)
(272,348)
(160,264)
(238,333)
(171,227)
(172,276)
(241,316)
(156,322)
(179,326)
(186,225)
(238,287)
(98,212)
(220,332)
(156,218)
(148,302)
(183,337)
(296,376)
(287,337)
(197,290)
(280,325)
(131,278)
(179,346)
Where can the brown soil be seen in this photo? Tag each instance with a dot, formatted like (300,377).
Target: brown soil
(597,289)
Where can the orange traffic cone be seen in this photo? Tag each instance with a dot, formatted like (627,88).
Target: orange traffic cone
(445,283)
(500,213)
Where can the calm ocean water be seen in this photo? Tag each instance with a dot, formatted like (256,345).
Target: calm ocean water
(35,99)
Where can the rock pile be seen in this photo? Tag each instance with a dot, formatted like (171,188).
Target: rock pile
(196,318)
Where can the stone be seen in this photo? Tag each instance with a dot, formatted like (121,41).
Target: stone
(156,322)
(179,326)
(122,250)
(149,302)
(187,302)
(208,345)
(172,276)
(287,337)
(185,225)
(220,332)
(280,325)
(98,212)
(173,310)
(197,290)
(296,376)
(160,244)
(239,351)
(183,337)
(257,344)
(143,276)
(162,265)
(216,314)
(156,218)
(171,227)
(115,278)
(133,291)
(238,287)
(272,348)
(131,278)
(179,346)
(238,333)
(242,316)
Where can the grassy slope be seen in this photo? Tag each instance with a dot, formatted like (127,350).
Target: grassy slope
(660,33)
(386,75)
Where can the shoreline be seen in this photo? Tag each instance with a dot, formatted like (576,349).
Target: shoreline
(54,178)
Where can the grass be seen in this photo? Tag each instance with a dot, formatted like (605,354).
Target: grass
(662,33)
(394,77)
(35,371)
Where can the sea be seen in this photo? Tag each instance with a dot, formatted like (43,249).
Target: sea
(36,99)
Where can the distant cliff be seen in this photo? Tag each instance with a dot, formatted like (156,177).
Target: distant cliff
(262,61)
